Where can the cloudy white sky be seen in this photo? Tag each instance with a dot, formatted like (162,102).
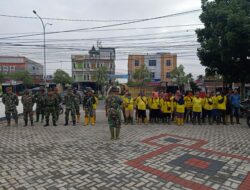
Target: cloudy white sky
(173,34)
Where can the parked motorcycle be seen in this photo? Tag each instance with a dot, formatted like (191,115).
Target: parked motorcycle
(245,111)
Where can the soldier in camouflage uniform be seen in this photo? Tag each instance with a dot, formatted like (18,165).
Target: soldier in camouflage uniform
(113,112)
(70,106)
(28,102)
(50,108)
(59,100)
(78,99)
(10,100)
(40,104)
(88,102)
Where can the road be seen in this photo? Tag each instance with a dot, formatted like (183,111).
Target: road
(146,157)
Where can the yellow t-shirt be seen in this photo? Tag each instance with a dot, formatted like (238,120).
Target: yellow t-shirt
(166,106)
(208,103)
(180,108)
(96,103)
(155,103)
(221,102)
(188,101)
(141,102)
(129,103)
(197,104)
(215,102)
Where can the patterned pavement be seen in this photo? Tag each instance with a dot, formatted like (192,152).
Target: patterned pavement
(149,157)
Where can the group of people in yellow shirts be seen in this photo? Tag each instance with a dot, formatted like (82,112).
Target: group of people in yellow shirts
(178,108)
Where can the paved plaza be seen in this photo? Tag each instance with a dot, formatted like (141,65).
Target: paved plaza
(149,157)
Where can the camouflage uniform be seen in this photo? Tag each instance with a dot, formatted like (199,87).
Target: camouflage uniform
(50,108)
(70,106)
(10,101)
(59,100)
(88,102)
(28,102)
(77,107)
(113,111)
(40,105)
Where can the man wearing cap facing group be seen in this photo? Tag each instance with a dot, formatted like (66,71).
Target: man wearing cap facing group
(10,100)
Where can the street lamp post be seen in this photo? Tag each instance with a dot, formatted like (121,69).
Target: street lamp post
(44,47)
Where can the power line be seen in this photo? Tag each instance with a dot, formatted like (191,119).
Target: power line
(110,25)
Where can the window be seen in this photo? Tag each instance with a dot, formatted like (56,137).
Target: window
(137,63)
(152,63)
(152,75)
(5,68)
(168,63)
(168,75)
(84,77)
(12,68)
(87,77)
(33,68)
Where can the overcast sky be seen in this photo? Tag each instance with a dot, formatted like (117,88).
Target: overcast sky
(160,35)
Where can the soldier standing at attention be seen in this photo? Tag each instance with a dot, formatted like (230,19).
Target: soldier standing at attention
(28,102)
(40,104)
(88,102)
(70,106)
(50,108)
(113,112)
(59,100)
(78,99)
(10,100)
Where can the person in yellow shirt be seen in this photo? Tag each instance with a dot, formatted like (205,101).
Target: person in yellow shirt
(180,108)
(197,108)
(208,107)
(129,108)
(95,106)
(222,102)
(214,110)
(166,109)
(141,102)
(155,108)
(188,106)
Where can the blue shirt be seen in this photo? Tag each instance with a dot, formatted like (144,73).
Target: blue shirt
(235,100)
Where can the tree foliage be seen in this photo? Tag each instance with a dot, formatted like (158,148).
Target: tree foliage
(101,77)
(23,76)
(62,77)
(225,39)
(142,74)
(179,76)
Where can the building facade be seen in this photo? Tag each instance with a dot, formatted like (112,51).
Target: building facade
(160,65)
(12,64)
(85,66)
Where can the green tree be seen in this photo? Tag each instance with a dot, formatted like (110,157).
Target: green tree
(101,77)
(179,76)
(142,74)
(61,77)
(2,75)
(225,39)
(23,76)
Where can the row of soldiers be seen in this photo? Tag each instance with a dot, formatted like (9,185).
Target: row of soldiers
(48,104)
(167,107)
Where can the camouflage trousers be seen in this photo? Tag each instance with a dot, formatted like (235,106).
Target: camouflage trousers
(57,109)
(26,113)
(12,112)
(77,110)
(89,112)
(73,114)
(114,118)
(40,111)
(50,111)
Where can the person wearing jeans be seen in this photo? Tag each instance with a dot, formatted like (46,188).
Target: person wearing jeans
(235,105)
